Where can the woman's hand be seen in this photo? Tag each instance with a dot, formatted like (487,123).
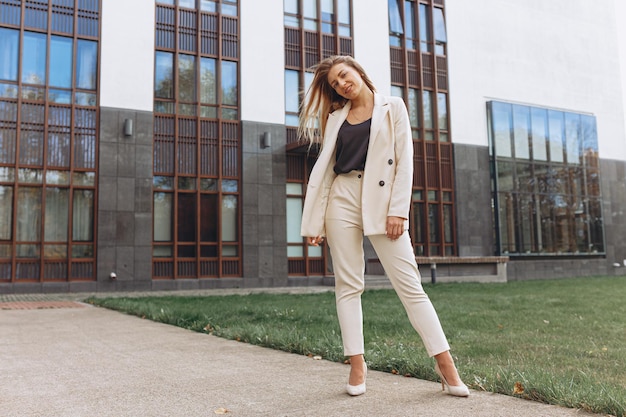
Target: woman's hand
(395,227)
(315,241)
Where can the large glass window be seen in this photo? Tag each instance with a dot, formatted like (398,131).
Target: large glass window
(48,139)
(8,54)
(546,183)
(196,193)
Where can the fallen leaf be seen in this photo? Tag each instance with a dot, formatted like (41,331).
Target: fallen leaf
(518,388)
(394,371)
(221,410)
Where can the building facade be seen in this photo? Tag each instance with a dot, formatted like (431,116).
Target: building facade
(152,145)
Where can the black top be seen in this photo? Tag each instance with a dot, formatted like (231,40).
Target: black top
(352,142)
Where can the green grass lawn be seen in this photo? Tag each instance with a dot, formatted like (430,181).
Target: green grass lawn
(560,341)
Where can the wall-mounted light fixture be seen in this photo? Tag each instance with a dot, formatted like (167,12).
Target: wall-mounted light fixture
(266,140)
(128,127)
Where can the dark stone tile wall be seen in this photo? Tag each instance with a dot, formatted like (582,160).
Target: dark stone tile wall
(264,234)
(475,222)
(125,201)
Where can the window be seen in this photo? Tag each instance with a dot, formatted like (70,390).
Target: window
(196,190)
(417,30)
(314,30)
(48,139)
(546,181)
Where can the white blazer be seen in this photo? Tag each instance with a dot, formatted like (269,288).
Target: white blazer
(388,174)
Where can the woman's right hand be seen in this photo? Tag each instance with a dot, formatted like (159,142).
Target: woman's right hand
(315,241)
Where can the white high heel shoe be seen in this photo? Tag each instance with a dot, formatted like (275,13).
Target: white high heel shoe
(355,390)
(456,390)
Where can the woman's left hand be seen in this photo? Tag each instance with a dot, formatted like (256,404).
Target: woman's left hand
(395,227)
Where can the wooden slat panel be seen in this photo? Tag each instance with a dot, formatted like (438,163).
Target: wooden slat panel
(187,30)
(427,70)
(187,146)
(230,37)
(293,46)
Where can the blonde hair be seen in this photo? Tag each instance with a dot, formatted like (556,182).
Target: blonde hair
(321,99)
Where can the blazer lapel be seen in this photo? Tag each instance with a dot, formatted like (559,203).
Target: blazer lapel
(379,113)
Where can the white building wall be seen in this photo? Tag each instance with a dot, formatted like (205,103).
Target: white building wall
(127,54)
(262,61)
(371,41)
(560,53)
(620,15)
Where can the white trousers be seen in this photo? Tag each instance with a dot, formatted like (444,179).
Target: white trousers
(344,233)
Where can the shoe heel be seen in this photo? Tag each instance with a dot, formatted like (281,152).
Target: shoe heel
(355,390)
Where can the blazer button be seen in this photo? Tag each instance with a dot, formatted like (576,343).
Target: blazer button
(381,183)
(390,162)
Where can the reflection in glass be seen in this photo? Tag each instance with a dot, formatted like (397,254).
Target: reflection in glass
(229,218)
(187,78)
(520,132)
(208,184)
(538,131)
(8,54)
(572,143)
(164,75)
(87,179)
(55,251)
(60,96)
(442,111)
(433,223)
(547,204)
(86,64)
(414,103)
(409,21)
(425,38)
(82,216)
(439,25)
(162,226)
(343,12)
(229,9)
(82,251)
(57,214)
(555,129)
(164,183)
(28,216)
(208,6)
(229,83)
(6,212)
(229,186)
(8,90)
(427,108)
(294,218)
(292,97)
(208,90)
(61,51)
(447,223)
(34,58)
(30,176)
(501,126)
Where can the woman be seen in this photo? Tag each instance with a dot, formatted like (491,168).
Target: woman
(361,185)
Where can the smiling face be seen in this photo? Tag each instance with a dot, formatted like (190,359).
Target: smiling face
(345,80)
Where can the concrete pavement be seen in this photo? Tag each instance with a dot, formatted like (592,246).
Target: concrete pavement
(87,361)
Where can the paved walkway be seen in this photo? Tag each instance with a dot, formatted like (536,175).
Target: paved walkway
(80,360)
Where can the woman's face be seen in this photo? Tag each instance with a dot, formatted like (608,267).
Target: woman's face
(345,80)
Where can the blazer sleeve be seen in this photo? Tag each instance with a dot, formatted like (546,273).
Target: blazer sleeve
(400,203)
